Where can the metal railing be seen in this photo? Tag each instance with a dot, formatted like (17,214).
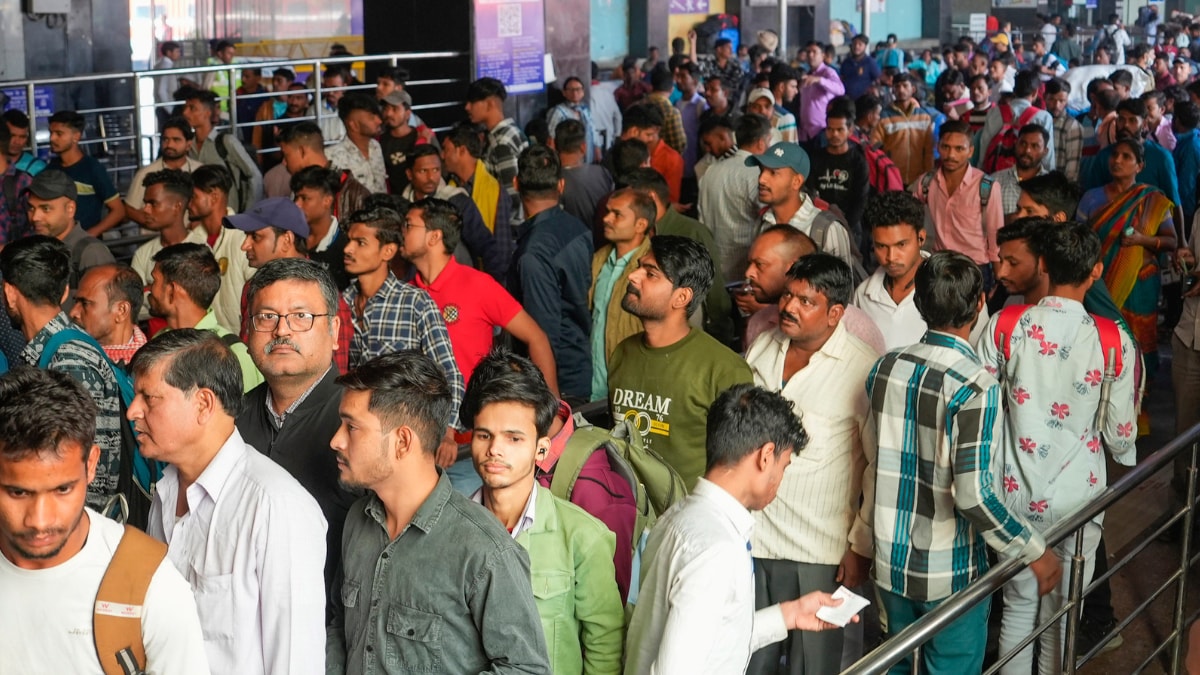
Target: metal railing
(910,640)
(121,109)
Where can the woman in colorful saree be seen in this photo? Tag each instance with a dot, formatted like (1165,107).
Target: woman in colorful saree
(1134,223)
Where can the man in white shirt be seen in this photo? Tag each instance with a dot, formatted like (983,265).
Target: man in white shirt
(54,551)
(896,221)
(359,152)
(695,612)
(811,538)
(246,535)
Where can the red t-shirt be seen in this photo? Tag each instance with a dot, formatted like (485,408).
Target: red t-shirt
(669,163)
(473,305)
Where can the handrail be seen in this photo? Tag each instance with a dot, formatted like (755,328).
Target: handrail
(906,641)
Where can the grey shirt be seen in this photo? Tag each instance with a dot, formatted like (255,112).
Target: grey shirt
(450,594)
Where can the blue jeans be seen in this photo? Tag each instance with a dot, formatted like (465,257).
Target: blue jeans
(956,650)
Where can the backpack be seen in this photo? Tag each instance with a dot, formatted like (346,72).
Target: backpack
(117,614)
(1108,43)
(1002,149)
(240,178)
(884,174)
(1110,347)
(138,475)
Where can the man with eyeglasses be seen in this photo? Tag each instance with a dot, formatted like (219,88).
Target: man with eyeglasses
(292,312)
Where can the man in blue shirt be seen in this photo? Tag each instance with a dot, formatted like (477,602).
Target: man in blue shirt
(95,188)
(1187,155)
(859,70)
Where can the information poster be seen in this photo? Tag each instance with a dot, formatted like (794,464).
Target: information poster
(510,43)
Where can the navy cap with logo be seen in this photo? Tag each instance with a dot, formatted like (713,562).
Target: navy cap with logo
(783,155)
(278,212)
(52,184)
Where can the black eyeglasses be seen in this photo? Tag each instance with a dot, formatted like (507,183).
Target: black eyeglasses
(266,322)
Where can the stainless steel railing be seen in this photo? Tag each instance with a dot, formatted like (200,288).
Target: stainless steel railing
(134,142)
(910,640)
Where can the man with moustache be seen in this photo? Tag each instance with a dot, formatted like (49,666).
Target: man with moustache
(175,143)
(293,415)
(52,208)
(1031,148)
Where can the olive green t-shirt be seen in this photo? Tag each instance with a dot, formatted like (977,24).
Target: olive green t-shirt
(666,393)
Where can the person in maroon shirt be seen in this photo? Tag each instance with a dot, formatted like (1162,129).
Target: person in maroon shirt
(634,87)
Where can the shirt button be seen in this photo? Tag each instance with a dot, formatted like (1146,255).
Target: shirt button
(411,632)
(385,555)
(370,648)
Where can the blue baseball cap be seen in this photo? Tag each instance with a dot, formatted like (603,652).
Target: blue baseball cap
(278,212)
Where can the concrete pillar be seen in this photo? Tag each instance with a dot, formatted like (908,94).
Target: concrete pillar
(568,38)
(648,25)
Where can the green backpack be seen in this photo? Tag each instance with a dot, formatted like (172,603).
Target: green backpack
(656,485)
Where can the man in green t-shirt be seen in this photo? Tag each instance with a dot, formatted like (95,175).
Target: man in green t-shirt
(664,378)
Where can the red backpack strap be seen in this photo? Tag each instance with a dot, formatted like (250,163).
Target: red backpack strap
(1027,116)
(1006,324)
(1006,115)
(1110,341)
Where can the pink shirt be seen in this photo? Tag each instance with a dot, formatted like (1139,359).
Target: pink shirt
(956,221)
(815,97)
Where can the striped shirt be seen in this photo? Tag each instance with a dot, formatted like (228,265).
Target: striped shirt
(1068,145)
(728,207)
(938,418)
(505,143)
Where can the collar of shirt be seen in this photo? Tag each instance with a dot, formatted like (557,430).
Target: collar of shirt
(803,215)
(940,339)
(724,502)
(618,263)
(390,285)
(559,442)
(209,322)
(330,236)
(426,517)
(276,419)
(136,340)
(876,288)
(211,481)
(527,516)
(967,187)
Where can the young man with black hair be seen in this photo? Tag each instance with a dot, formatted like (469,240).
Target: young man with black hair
(695,612)
(721,63)
(165,198)
(485,106)
(549,275)
(816,89)
(183,285)
(859,70)
(14,202)
(473,304)
(1068,132)
(176,141)
(18,154)
(66,130)
(315,191)
(784,85)
(716,141)
(633,88)
(53,560)
(1060,421)
(511,413)
(302,146)
(839,173)
(934,401)
(400,136)
(645,123)
(424,173)
(36,270)
(52,199)
(728,204)
(358,152)
(906,130)
(200,111)
(462,153)
(247,108)
(665,377)
(390,315)
(1025,89)
(207,208)
(584,184)
(399,403)
(812,538)
(1031,147)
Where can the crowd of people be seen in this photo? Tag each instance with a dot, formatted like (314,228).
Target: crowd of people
(868,321)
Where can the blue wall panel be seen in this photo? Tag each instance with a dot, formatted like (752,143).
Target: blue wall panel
(610,29)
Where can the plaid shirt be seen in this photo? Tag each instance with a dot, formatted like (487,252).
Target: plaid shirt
(400,316)
(672,131)
(732,74)
(938,418)
(1068,145)
(505,143)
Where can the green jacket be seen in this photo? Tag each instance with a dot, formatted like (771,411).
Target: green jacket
(575,587)
(251,378)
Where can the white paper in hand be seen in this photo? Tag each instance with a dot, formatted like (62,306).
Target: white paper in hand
(852,604)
